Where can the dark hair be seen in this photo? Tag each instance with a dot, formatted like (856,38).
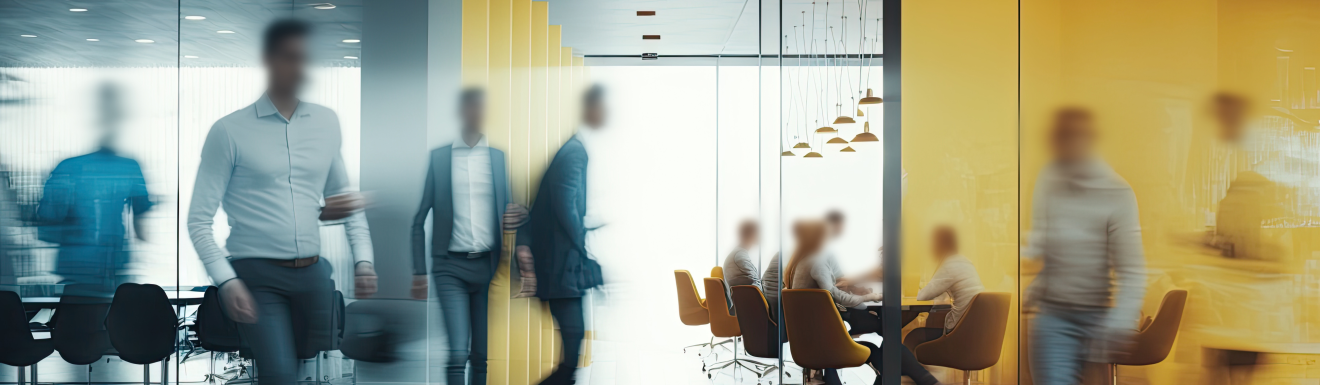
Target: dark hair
(593,96)
(834,216)
(470,96)
(281,30)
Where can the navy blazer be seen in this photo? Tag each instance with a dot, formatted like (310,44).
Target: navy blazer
(439,196)
(555,232)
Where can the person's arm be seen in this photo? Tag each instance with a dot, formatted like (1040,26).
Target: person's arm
(139,202)
(825,279)
(1129,263)
(355,225)
(419,221)
(938,285)
(213,174)
(56,197)
(745,264)
(573,179)
(1035,239)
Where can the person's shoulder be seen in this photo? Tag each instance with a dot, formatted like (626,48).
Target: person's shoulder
(245,114)
(317,109)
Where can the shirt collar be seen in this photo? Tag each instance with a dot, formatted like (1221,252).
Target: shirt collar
(267,108)
(460,144)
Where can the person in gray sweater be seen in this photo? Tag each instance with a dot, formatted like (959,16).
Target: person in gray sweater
(739,268)
(1086,238)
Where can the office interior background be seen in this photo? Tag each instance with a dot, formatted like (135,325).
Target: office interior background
(1188,96)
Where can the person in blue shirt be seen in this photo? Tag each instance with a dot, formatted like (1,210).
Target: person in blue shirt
(83,208)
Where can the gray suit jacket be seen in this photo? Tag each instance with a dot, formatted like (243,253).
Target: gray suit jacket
(439,196)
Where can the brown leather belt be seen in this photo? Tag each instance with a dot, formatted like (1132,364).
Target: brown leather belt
(297,262)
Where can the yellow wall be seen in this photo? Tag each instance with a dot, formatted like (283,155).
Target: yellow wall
(960,143)
(509,50)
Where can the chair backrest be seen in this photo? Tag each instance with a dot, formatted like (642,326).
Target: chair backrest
(691,308)
(215,331)
(820,341)
(722,323)
(760,334)
(717,272)
(20,349)
(78,329)
(141,323)
(976,342)
(328,338)
(1153,343)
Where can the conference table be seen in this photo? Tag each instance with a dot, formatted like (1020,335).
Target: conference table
(911,308)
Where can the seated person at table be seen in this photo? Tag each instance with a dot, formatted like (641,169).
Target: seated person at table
(739,269)
(809,268)
(956,277)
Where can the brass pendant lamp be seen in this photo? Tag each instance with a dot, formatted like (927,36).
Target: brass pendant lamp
(848,149)
(870,98)
(866,135)
(837,140)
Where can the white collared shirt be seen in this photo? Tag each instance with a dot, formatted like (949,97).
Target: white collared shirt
(474,198)
(271,174)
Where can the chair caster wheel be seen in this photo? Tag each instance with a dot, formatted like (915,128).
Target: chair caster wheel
(708,375)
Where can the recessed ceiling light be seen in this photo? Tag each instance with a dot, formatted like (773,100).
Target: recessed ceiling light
(28,35)
(350,57)
(224,31)
(194,17)
(645,13)
(324,6)
(189,57)
(77,9)
(145,41)
(93,39)
(352,41)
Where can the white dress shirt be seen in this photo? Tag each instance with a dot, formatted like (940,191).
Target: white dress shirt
(474,198)
(271,174)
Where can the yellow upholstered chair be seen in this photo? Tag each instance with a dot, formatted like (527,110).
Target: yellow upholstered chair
(975,342)
(1155,339)
(820,340)
(717,272)
(724,324)
(691,307)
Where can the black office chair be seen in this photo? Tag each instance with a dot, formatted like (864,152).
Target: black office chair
(20,349)
(78,330)
(143,327)
(376,329)
(216,333)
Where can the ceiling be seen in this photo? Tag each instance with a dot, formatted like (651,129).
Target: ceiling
(591,27)
(61,35)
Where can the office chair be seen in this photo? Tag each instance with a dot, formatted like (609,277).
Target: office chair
(759,330)
(78,330)
(975,342)
(723,324)
(218,334)
(315,349)
(1155,338)
(820,339)
(717,272)
(142,327)
(692,309)
(20,349)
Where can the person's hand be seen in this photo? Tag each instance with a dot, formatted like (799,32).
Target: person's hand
(342,205)
(419,287)
(515,215)
(526,264)
(238,302)
(872,297)
(364,280)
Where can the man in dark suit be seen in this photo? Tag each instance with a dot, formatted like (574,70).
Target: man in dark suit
(467,187)
(555,238)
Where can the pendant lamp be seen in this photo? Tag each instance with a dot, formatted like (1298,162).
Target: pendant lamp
(802,145)
(787,153)
(870,98)
(813,154)
(848,149)
(826,130)
(859,112)
(843,119)
(866,135)
(837,140)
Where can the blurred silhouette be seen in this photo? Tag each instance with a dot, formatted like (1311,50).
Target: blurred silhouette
(1086,237)
(270,164)
(10,218)
(467,187)
(1230,112)
(82,207)
(955,277)
(739,269)
(554,237)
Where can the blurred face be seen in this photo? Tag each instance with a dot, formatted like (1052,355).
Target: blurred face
(1230,111)
(1073,137)
(594,115)
(474,115)
(286,63)
(835,228)
(748,234)
(943,243)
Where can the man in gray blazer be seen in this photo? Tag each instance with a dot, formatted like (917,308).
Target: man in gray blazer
(467,191)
